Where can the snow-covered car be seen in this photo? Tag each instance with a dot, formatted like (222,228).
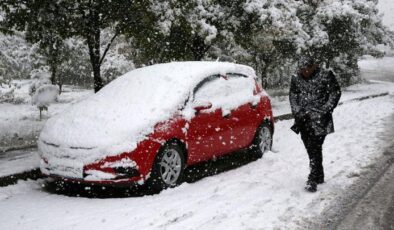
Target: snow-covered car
(149,124)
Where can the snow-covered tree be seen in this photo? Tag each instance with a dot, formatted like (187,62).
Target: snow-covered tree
(342,31)
(17,57)
(75,68)
(177,30)
(270,32)
(53,21)
(269,35)
(118,59)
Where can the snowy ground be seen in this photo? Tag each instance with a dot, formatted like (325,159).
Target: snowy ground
(14,162)
(265,194)
(378,69)
(387,7)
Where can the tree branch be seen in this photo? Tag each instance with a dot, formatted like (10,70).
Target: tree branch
(108,46)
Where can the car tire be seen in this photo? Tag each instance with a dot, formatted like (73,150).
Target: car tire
(168,167)
(263,140)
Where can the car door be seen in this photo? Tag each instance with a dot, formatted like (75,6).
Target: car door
(205,131)
(242,118)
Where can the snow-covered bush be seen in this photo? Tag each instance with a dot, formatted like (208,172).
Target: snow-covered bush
(14,92)
(40,76)
(42,92)
(6,94)
(44,96)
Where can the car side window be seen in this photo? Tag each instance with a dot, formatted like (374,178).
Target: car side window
(209,90)
(226,92)
(204,82)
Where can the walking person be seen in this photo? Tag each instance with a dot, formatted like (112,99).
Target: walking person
(314,94)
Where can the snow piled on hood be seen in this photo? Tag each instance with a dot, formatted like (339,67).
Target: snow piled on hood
(121,114)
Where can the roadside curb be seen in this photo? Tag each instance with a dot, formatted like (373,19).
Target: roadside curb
(289,116)
(33,174)
(36,173)
(21,147)
(365,98)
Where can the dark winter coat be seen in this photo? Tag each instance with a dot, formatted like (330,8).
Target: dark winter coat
(313,100)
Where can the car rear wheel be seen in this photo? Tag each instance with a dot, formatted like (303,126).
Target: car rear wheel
(263,140)
(168,167)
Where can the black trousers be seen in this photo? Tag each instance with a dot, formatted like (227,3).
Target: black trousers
(314,147)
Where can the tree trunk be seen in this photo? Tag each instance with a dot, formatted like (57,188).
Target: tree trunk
(94,60)
(40,113)
(93,40)
(53,73)
(264,77)
(98,82)
(199,48)
(94,52)
(53,61)
(60,87)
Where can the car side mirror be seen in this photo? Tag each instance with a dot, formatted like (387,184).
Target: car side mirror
(200,106)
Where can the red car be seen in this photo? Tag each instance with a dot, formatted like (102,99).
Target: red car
(148,125)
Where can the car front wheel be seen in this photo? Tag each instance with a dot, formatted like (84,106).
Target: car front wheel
(168,167)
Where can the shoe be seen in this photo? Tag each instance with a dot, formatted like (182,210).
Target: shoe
(317,179)
(311,186)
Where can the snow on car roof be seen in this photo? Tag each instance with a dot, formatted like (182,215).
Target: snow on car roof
(122,113)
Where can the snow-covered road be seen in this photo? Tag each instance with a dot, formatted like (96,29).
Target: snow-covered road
(376,209)
(265,194)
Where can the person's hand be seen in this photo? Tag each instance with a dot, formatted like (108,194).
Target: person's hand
(303,116)
(315,116)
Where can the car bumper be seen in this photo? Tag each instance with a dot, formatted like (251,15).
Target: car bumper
(92,174)
(130,182)
(123,169)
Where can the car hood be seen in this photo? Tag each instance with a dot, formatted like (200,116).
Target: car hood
(106,123)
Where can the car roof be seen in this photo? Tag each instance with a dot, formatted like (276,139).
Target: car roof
(192,70)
